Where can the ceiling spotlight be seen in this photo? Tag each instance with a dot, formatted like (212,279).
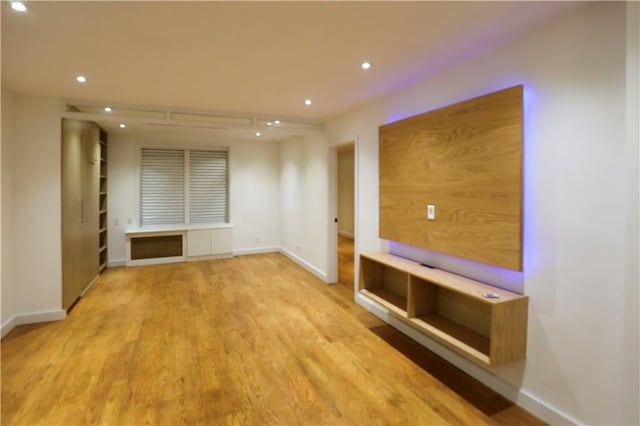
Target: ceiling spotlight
(269,123)
(307,102)
(366,65)
(258,133)
(18,6)
(107,109)
(277,122)
(81,79)
(122,125)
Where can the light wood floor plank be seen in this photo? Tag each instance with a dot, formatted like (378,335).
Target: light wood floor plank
(253,340)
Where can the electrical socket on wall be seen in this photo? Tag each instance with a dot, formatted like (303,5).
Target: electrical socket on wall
(431,212)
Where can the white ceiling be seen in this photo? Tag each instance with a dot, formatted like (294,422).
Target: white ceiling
(248,57)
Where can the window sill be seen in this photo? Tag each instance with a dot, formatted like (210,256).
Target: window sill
(175,228)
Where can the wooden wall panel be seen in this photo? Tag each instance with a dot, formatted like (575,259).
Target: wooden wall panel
(466,159)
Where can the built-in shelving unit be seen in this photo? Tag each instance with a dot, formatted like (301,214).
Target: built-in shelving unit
(484,323)
(102,204)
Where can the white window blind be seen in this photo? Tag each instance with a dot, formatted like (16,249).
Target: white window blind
(207,186)
(162,186)
(183,186)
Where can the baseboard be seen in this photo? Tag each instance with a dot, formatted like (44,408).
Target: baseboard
(9,325)
(532,404)
(258,250)
(306,265)
(116,263)
(210,257)
(86,289)
(32,318)
(347,235)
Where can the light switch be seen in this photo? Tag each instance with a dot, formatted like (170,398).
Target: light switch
(431,212)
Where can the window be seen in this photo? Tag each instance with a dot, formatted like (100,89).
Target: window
(183,186)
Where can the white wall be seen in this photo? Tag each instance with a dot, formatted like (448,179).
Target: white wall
(31,206)
(631,319)
(575,210)
(8,292)
(304,191)
(346,191)
(254,188)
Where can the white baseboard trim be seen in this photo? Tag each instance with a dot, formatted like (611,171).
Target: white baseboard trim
(210,257)
(306,265)
(347,235)
(531,403)
(258,250)
(116,263)
(32,318)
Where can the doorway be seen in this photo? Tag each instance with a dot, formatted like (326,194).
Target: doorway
(346,214)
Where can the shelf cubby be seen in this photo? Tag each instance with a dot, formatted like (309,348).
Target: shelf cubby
(384,284)
(451,309)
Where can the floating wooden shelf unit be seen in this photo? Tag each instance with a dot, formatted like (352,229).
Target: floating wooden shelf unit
(449,308)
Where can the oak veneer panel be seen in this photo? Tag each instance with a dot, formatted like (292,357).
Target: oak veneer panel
(466,159)
(508,342)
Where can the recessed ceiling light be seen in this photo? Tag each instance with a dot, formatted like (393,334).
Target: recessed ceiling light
(366,65)
(307,102)
(81,79)
(277,122)
(18,6)
(269,123)
(107,109)
(122,125)
(258,133)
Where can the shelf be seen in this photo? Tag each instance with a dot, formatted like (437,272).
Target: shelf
(456,335)
(102,203)
(449,308)
(388,299)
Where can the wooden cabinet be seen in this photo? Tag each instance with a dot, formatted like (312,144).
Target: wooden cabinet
(178,243)
(209,242)
(80,205)
(485,324)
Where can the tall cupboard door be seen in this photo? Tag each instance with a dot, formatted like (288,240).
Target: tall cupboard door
(80,181)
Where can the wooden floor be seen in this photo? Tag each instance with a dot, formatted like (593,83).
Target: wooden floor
(345,261)
(251,340)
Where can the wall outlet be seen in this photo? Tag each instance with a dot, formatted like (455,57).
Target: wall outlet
(116,222)
(431,212)
(257,240)
(129,221)
(298,248)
